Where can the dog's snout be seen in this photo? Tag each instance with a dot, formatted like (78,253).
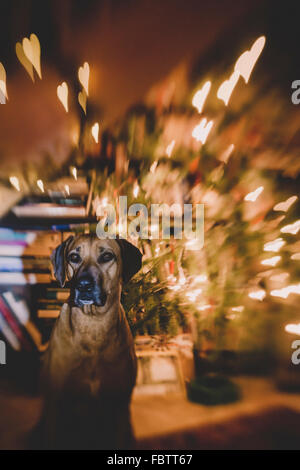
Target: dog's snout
(85,284)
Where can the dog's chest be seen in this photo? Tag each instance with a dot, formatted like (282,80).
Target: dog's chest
(91,356)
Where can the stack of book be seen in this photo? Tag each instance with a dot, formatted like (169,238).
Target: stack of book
(50,302)
(31,227)
(24,257)
(15,324)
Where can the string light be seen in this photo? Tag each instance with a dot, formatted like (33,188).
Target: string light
(95,132)
(170,148)
(200,278)
(204,307)
(83,76)
(285,205)
(246,62)
(74,172)
(275,245)
(153,166)
(239,308)
(286,291)
(40,185)
(15,182)
(200,96)
(136,189)
(271,261)
(292,228)
(293,328)
(201,131)
(225,90)
(254,194)
(257,295)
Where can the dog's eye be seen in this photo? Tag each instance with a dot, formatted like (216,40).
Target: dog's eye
(74,258)
(105,257)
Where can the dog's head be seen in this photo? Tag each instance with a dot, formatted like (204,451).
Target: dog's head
(95,268)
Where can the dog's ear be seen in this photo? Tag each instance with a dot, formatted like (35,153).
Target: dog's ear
(131,259)
(58,259)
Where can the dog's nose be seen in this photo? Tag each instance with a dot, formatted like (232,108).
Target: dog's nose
(85,284)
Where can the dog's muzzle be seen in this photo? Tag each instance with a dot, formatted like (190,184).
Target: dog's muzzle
(88,292)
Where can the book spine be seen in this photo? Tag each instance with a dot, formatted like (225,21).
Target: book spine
(9,334)
(13,324)
(48,313)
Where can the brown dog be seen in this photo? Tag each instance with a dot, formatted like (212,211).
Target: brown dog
(90,366)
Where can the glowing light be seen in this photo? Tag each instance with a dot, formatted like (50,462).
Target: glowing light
(175,288)
(246,62)
(275,245)
(24,61)
(225,90)
(292,228)
(15,182)
(170,148)
(136,189)
(254,195)
(204,307)
(201,131)
(286,291)
(200,96)
(257,294)
(153,166)
(293,328)
(182,279)
(82,100)
(225,155)
(271,261)
(104,201)
(95,132)
(193,244)
(3,81)
(239,308)
(40,185)
(296,256)
(67,189)
(74,172)
(200,278)
(84,75)
(32,50)
(285,205)
(280,277)
(192,295)
(62,93)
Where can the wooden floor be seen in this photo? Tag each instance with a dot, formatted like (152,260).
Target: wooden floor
(264,418)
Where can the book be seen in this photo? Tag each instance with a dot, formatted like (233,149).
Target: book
(57,295)
(23,279)
(9,334)
(21,311)
(14,236)
(18,264)
(49,210)
(13,324)
(45,313)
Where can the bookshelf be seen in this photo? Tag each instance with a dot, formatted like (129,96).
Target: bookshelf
(30,298)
